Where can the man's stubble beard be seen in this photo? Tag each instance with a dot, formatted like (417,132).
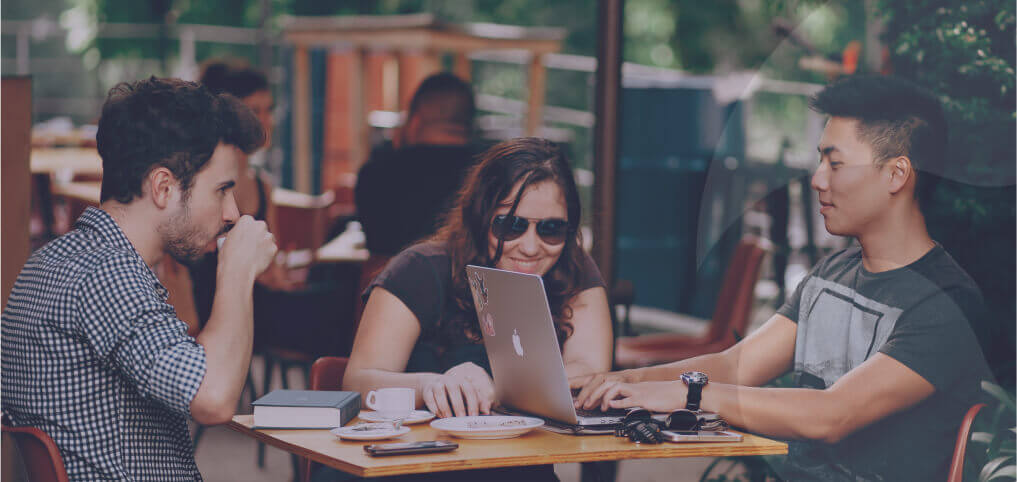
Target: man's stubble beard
(182,240)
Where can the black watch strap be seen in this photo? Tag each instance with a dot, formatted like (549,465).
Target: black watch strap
(694,397)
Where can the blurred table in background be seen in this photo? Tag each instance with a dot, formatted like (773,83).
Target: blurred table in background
(334,251)
(58,166)
(66,162)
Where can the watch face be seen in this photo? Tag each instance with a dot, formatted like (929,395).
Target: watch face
(695,377)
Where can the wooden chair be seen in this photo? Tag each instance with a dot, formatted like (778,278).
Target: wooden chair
(326,374)
(959,449)
(301,219)
(622,295)
(731,315)
(40,454)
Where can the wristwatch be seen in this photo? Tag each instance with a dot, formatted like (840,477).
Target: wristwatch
(695,381)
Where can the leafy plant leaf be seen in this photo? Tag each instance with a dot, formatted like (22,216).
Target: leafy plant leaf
(991,467)
(982,437)
(1009,471)
(999,394)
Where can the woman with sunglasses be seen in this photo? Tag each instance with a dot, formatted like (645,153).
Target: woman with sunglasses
(519,211)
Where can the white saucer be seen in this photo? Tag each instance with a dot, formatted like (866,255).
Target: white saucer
(487,426)
(417,416)
(369,431)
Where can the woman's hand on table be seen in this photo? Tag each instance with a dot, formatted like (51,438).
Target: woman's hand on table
(592,387)
(465,389)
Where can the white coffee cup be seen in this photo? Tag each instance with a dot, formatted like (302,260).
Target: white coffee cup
(392,403)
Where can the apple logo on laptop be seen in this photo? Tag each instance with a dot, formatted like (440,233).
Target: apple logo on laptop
(516,343)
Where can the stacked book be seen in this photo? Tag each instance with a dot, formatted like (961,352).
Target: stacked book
(305,409)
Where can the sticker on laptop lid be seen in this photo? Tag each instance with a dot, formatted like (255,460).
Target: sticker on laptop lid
(479,290)
(487,324)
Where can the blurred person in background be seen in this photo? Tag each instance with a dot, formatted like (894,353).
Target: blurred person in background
(253,190)
(402,191)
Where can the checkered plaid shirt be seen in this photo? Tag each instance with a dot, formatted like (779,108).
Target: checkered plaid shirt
(93,355)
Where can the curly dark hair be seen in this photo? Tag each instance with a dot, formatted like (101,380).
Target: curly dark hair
(531,161)
(232,77)
(170,123)
(896,118)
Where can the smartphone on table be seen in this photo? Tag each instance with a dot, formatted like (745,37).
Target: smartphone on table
(701,436)
(404,448)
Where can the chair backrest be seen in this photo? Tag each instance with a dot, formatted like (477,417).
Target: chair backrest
(40,454)
(963,435)
(301,220)
(734,302)
(326,374)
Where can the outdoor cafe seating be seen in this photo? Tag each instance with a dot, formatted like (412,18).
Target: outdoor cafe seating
(693,157)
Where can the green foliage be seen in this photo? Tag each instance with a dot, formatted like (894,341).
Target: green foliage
(964,52)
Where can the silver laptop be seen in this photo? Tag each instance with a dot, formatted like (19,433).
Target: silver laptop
(519,335)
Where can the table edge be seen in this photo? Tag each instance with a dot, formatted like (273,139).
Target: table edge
(650,452)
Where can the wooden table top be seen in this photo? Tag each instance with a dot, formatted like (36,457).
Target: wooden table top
(51,160)
(88,192)
(334,251)
(535,448)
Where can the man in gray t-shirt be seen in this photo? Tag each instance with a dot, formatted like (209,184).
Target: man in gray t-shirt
(915,315)
(878,336)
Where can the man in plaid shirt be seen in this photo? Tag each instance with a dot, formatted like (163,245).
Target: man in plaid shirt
(91,352)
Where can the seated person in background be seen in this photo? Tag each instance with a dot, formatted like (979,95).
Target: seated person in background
(519,211)
(253,190)
(885,362)
(92,353)
(401,192)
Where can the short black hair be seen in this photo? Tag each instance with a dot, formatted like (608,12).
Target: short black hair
(233,77)
(896,118)
(443,97)
(170,123)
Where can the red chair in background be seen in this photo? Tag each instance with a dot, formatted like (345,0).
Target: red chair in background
(326,374)
(731,315)
(40,454)
(963,435)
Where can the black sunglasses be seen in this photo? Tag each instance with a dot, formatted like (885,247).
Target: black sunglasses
(681,420)
(551,231)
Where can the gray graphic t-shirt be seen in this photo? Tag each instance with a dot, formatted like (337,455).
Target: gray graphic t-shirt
(918,315)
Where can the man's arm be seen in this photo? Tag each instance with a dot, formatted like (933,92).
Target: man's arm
(228,335)
(876,389)
(762,356)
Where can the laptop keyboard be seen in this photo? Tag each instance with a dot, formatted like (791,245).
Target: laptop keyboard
(612,412)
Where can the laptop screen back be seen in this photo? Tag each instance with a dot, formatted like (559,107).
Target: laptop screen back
(521,343)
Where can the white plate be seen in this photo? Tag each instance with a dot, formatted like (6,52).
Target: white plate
(487,426)
(369,431)
(417,416)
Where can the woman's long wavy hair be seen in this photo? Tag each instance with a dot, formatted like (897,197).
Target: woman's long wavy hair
(490,182)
